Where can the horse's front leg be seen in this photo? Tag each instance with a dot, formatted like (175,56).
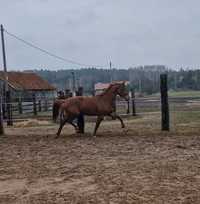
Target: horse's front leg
(62,123)
(99,119)
(115,116)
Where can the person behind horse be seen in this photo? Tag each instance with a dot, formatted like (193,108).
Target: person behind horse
(61,99)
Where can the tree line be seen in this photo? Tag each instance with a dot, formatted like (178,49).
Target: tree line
(144,79)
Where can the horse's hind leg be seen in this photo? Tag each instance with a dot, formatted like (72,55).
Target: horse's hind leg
(71,123)
(62,123)
(115,116)
(99,119)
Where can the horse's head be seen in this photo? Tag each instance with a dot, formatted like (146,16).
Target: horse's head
(122,90)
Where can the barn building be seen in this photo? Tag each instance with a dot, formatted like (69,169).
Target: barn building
(100,87)
(24,84)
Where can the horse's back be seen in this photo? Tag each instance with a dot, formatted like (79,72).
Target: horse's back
(81,104)
(89,105)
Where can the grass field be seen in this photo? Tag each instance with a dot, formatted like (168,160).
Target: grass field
(182,94)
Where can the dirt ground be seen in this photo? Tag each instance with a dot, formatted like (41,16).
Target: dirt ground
(138,164)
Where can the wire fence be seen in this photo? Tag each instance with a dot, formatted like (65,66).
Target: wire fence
(28,109)
(181,108)
(43,107)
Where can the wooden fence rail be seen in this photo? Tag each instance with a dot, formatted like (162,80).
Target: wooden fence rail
(40,107)
(43,107)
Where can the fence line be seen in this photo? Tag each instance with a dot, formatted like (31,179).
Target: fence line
(43,106)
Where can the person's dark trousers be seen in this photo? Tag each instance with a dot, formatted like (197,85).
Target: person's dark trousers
(81,123)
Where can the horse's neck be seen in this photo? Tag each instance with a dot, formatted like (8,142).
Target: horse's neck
(109,96)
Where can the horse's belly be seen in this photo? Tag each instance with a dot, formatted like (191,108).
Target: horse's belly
(95,109)
(89,110)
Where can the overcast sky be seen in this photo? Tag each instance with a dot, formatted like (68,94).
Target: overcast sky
(128,32)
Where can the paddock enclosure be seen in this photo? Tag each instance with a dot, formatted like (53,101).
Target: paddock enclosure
(138,164)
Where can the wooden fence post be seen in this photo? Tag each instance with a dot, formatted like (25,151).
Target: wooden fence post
(20,106)
(39,106)
(9,109)
(133,102)
(128,107)
(4,104)
(164,102)
(34,105)
(1,118)
(45,104)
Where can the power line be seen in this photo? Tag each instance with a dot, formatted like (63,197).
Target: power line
(50,53)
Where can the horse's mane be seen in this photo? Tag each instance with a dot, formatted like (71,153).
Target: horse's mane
(108,89)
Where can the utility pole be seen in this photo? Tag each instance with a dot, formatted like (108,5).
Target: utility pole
(1,112)
(140,85)
(4,58)
(111,72)
(7,92)
(73,84)
(175,80)
(1,118)
(78,83)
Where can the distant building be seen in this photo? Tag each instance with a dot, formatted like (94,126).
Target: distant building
(100,87)
(24,84)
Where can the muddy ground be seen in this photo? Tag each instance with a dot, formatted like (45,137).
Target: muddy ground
(139,164)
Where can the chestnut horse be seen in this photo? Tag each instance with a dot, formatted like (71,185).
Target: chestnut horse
(100,105)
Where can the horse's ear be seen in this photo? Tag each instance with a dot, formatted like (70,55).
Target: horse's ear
(123,83)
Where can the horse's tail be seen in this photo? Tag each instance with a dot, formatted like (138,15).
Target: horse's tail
(56,107)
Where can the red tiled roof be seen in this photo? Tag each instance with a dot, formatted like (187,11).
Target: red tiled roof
(27,81)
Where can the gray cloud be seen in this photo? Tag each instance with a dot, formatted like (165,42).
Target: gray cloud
(130,32)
